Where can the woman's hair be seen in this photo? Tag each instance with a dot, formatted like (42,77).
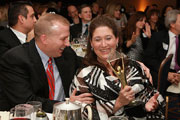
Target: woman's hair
(4,13)
(152,12)
(100,21)
(131,25)
(111,7)
(164,10)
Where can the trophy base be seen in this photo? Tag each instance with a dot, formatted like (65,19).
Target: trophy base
(135,109)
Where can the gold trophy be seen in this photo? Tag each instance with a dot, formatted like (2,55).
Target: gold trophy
(120,71)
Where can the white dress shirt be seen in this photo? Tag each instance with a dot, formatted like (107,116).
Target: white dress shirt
(21,36)
(172,48)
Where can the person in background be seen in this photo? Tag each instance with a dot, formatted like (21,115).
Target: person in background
(163,15)
(95,9)
(96,75)
(113,9)
(42,69)
(161,45)
(3,16)
(153,20)
(73,15)
(21,20)
(136,30)
(81,29)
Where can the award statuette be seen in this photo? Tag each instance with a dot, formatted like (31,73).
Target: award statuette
(120,70)
(120,73)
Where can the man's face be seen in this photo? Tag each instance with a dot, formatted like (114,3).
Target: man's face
(57,40)
(72,11)
(29,22)
(86,14)
(176,25)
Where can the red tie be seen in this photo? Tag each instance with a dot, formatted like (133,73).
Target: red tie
(50,77)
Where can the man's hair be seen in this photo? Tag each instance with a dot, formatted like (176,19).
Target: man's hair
(16,9)
(171,17)
(83,6)
(45,24)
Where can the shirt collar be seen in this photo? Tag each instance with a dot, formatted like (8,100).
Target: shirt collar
(171,34)
(21,36)
(43,56)
(84,24)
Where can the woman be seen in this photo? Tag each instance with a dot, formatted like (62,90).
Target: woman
(136,30)
(96,76)
(114,10)
(153,20)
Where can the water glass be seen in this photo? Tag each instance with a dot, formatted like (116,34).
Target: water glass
(117,118)
(21,112)
(37,105)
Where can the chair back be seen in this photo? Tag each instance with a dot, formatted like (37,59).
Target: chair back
(163,83)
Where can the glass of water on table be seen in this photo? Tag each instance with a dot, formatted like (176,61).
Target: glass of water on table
(37,105)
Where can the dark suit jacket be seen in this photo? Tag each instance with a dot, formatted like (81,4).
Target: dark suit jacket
(155,53)
(24,76)
(8,40)
(75,31)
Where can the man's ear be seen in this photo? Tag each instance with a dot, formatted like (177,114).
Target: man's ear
(43,39)
(172,25)
(21,19)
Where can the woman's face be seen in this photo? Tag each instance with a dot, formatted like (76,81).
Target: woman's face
(154,18)
(103,41)
(117,13)
(140,24)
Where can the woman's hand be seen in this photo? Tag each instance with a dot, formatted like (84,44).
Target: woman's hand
(147,72)
(147,30)
(133,40)
(152,104)
(126,95)
(84,97)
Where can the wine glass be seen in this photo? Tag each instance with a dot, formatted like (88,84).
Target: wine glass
(21,112)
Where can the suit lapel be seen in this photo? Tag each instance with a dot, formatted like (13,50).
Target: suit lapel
(38,66)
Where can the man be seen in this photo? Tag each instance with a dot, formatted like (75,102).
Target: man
(21,21)
(95,9)
(41,70)
(81,29)
(161,45)
(73,15)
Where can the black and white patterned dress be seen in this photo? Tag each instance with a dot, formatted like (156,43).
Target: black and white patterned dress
(105,88)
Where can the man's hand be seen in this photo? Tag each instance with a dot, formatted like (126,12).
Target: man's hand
(84,97)
(174,78)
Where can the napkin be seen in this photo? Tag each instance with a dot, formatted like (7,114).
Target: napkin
(4,115)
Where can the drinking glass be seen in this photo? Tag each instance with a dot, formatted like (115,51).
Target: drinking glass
(21,112)
(117,118)
(37,105)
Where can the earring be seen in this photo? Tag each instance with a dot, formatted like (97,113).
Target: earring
(92,49)
(117,46)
